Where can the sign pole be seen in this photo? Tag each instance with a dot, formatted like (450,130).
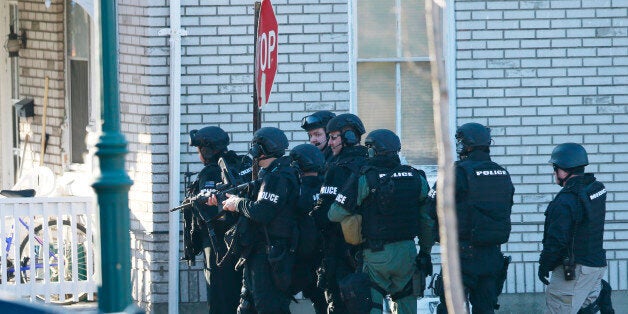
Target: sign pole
(257,112)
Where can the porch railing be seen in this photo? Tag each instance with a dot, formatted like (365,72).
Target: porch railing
(47,249)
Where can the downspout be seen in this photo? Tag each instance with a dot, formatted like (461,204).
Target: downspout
(174,141)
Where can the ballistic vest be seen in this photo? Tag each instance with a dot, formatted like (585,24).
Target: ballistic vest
(589,225)
(391,209)
(484,215)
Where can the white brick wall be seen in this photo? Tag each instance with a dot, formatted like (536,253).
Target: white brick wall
(537,72)
(540,73)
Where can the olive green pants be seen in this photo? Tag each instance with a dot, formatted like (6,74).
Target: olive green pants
(391,269)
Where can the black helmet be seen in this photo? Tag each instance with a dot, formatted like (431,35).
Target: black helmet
(383,141)
(342,121)
(212,137)
(317,120)
(268,141)
(569,155)
(472,135)
(308,158)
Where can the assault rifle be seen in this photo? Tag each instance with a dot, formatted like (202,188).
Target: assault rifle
(229,185)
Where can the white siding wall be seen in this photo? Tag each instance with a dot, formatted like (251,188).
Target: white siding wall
(541,73)
(537,72)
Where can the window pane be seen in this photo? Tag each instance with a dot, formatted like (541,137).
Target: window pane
(377,30)
(376,95)
(413,30)
(78,31)
(418,140)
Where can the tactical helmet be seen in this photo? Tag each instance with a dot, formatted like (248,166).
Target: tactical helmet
(317,120)
(383,141)
(212,137)
(569,155)
(268,141)
(342,121)
(472,135)
(308,158)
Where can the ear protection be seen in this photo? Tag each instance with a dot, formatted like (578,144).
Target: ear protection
(349,138)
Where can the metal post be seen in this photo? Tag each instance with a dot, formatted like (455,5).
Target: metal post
(112,186)
(257,112)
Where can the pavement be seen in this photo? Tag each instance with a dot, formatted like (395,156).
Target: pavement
(510,304)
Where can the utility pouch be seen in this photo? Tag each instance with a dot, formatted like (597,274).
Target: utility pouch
(352,229)
(281,263)
(569,268)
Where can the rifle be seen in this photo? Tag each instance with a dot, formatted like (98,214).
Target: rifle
(220,190)
(229,185)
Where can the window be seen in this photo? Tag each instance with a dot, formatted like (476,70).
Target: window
(391,82)
(78,67)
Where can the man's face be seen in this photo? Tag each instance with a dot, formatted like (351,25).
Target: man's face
(335,142)
(559,175)
(318,138)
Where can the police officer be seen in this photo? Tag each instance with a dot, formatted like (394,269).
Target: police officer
(484,198)
(392,201)
(269,212)
(315,125)
(576,215)
(310,161)
(223,283)
(345,132)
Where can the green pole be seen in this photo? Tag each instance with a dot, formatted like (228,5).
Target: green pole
(112,187)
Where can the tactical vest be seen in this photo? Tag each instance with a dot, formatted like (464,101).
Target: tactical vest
(391,210)
(284,223)
(484,216)
(589,227)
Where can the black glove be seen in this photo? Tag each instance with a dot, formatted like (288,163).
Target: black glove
(424,263)
(543,275)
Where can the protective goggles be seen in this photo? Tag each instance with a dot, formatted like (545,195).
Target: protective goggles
(311,122)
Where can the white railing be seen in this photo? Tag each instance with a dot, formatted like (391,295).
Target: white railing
(47,249)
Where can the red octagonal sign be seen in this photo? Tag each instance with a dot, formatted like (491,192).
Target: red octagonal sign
(266,58)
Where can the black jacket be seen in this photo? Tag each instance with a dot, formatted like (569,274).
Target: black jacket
(580,206)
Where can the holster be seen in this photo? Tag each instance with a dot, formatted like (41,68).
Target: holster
(281,261)
(569,268)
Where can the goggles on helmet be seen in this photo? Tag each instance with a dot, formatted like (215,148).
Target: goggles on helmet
(311,121)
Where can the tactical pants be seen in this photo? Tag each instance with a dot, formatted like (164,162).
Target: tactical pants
(336,266)
(562,297)
(480,273)
(311,290)
(391,269)
(259,292)
(223,283)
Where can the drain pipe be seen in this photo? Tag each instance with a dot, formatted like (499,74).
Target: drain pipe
(174,142)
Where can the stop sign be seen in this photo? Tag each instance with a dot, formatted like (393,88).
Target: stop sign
(266,58)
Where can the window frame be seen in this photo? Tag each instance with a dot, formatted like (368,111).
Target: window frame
(449,51)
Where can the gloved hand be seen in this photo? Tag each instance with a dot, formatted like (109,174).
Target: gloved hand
(544,275)
(424,262)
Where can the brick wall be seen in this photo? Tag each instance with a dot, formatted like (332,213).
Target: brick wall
(144,108)
(217,79)
(43,56)
(541,73)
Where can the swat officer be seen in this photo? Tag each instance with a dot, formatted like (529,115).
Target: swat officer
(576,215)
(269,213)
(345,131)
(484,198)
(309,161)
(315,125)
(392,201)
(223,283)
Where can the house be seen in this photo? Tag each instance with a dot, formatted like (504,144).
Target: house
(538,73)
